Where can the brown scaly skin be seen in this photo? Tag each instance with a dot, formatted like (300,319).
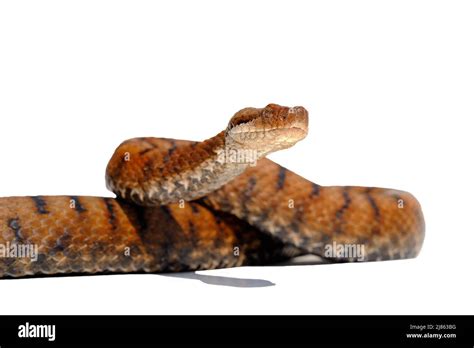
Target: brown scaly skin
(264,215)
(389,223)
(99,235)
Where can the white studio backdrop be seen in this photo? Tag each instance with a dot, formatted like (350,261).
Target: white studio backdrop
(389,86)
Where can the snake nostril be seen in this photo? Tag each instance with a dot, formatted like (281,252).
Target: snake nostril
(299,110)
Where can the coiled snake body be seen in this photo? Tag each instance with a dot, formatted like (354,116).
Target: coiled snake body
(185,206)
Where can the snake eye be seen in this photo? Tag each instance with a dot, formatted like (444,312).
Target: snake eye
(241,120)
(274,107)
(243,116)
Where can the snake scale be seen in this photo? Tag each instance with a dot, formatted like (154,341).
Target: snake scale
(184,206)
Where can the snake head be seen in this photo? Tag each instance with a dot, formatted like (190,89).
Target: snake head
(268,129)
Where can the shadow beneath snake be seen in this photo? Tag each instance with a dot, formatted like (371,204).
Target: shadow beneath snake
(222,281)
(205,278)
(245,282)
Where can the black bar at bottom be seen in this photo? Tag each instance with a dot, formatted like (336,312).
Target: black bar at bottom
(291,331)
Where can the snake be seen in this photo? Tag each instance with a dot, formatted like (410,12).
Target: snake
(185,205)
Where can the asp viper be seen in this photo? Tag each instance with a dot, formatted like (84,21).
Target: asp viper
(184,206)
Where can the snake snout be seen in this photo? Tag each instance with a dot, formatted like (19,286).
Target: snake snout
(287,117)
(299,117)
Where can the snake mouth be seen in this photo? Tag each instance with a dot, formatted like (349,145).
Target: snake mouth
(269,140)
(286,137)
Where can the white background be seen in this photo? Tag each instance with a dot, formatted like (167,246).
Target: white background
(389,86)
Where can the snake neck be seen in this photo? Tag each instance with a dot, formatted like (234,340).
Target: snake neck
(194,171)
